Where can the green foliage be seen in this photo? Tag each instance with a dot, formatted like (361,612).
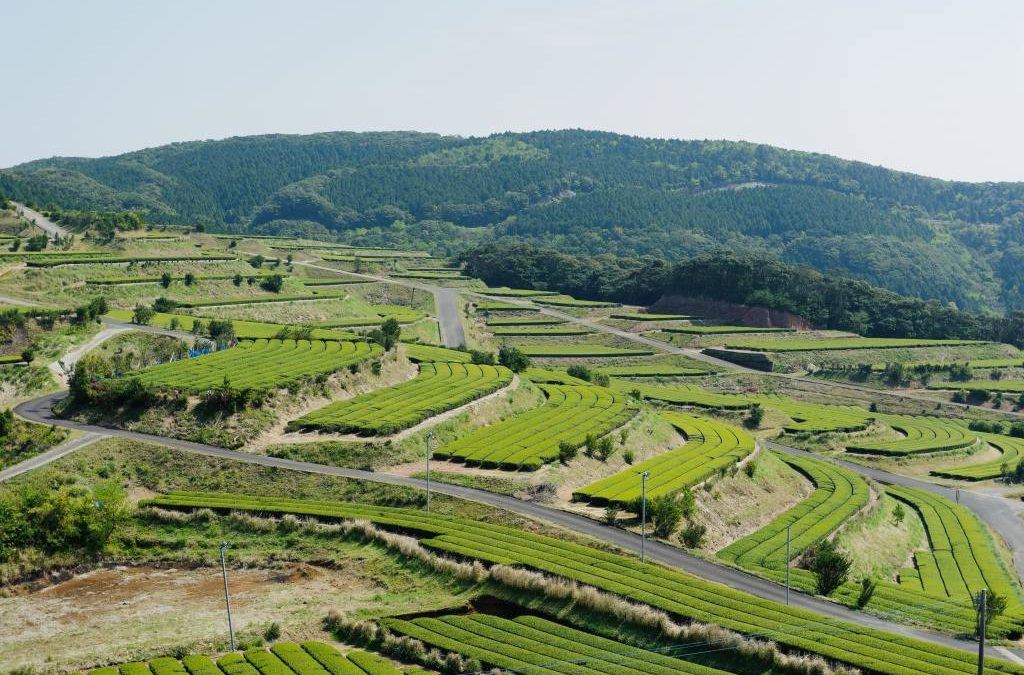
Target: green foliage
(829,565)
(142,315)
(221,331)
(35,517)
(754,416)
(36,243)
(513,358)
(867,591)
(665,512)
(166,279)
(579,371)
(387,335)
(692,534)
(272,283)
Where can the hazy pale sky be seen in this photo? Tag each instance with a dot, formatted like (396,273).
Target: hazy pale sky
(932,87)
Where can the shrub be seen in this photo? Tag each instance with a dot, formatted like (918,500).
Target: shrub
(750,468)
(611,513)
(579,371)
(604,448)
(513,358)
(754,417)
(688,503)
(273,283)
(829,566)
(628,456)
(237,280)
(898,514)
(665,513)
(190,278)
(166,279)
(163,304)
(273,632)
(692,535)
(481,358)
(995,605)
(566,452)
(142,315)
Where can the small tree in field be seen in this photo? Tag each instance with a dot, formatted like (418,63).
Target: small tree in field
(829,566)
(665,513)
(513,358)
(142,315)
(166,279)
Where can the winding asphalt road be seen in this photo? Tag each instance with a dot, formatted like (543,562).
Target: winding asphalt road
(51,228)
(40,410)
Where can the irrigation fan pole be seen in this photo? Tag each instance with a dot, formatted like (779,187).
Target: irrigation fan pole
(430,451)
(643,511)
(227,598)
(981,633)
(789,532)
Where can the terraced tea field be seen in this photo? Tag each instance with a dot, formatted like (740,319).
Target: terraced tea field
(284,658)
(642,370)
(540,331)
(530,439)
(1005,386)
(258,364)
(678,593)
(838,494)
(724,330)
(920,435)
(566,301)
(711,446)
(962,558)
(530,644)
(638,316)
(824,344)
(1011,452)
(438,387)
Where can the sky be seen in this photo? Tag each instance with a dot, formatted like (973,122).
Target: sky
(931,87)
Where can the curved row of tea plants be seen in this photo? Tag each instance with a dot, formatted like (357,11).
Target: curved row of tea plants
(244,330)
(530,644)
(920,435)
(438,387)
(963,558)
(1011,451)
(258,364)
(284,658)
(678,593)
(711,446)
(532,438)
(838,494)
(427,353)
(685,394)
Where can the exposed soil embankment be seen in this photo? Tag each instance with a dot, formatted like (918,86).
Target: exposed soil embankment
(732,313)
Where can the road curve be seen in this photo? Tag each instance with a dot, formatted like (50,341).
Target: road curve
(40,410)
(51,455)
(51,228)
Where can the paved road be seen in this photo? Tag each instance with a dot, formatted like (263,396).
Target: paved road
(1001,514)
(51,455)
(40,410)
(61,366)
(51,228)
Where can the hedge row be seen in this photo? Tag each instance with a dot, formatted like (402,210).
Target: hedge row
(823,344)
(284,658)
(540,331)
(437,388)
(711,446)
(243,329)
(673,591)
(580,351)
(534,645)
(921,435)
(88,260)
(1011,452)
(532,438)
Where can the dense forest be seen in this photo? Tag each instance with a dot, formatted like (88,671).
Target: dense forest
(827,301)
(579,192)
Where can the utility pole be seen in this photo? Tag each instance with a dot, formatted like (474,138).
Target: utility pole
(643,511)
(958,495)
(981,633)
(789,532)
(430,451)
(227,598)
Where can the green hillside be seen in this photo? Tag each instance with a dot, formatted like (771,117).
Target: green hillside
(578,191)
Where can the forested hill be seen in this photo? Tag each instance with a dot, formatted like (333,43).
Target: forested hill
(578,191)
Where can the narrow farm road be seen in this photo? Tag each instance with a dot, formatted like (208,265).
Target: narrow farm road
(40,410)
(51,228)
(60,367)
(1001,514)
(51,455)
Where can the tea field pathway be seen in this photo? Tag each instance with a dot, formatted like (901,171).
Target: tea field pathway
(40,410)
